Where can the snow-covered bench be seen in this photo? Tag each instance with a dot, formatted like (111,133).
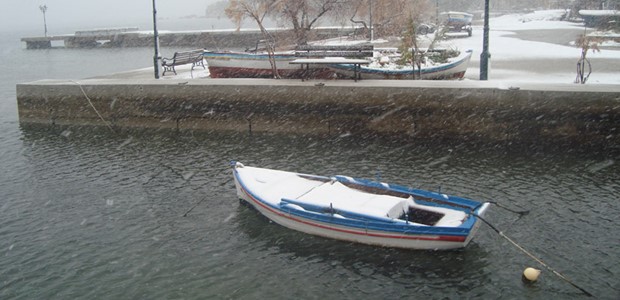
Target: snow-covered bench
(346,51)
(193,57)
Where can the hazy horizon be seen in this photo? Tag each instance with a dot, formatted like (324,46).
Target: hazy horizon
(66,16)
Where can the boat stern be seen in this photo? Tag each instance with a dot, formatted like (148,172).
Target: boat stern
(480,211)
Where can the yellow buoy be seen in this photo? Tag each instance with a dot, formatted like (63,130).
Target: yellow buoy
(530,274)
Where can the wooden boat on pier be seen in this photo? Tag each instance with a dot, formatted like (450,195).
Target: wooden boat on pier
(453,69)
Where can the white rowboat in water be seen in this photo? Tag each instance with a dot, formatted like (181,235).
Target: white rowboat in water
(359,210)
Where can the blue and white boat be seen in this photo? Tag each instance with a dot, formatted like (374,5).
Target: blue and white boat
(230,64)
(455,68)
(359,210)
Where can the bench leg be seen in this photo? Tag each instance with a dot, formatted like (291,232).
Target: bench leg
(302,73)
(167,69)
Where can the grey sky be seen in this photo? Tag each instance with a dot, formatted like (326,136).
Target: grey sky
(63,16)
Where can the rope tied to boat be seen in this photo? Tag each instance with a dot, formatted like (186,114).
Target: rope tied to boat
(521,213)
(93,106)
(221,184)
(540,261)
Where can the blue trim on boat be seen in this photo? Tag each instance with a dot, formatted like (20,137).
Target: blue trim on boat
(407,71)
(331,210)
(378,224)
(453,202)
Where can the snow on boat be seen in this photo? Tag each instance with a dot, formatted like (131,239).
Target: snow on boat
(454,69)
(229,64)
(359,210)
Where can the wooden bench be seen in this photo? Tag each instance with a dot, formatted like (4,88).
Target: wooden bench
(349,51)
(346,54)
(193,57)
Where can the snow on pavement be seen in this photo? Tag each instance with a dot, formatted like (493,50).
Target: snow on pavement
(505,46)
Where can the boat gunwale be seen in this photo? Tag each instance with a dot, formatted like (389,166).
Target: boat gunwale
(408,71)
(246,56)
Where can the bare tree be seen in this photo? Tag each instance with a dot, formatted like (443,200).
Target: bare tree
(389,17)
(583,64)
(304,14)
(257,10)
(410,49)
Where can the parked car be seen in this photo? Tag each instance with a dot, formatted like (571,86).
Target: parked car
(426,28)
(456,21)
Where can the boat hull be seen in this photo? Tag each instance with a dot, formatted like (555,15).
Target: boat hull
(252,65)
(450,71)
(371,235)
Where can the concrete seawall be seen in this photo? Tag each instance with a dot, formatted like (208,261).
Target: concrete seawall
(211,39)
(486,111)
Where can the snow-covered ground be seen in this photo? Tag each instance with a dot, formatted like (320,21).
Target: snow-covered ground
(514,58)
(540,61)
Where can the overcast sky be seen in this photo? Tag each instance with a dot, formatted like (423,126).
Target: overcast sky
(66,16)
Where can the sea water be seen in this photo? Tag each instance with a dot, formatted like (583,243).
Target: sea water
(152,214)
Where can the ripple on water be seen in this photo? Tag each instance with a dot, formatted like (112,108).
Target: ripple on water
(95,214)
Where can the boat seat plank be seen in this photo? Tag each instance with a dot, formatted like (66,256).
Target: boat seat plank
(273,186)
(338,212)
(344,198)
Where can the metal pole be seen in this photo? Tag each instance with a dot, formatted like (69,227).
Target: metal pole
(155,42)
(437,12)
(43,9)
(485,55)
(370,15)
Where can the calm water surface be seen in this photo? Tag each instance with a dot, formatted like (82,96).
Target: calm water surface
(90,214)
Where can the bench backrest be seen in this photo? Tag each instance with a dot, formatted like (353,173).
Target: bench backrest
(357,51)
(187,56)
(363,47)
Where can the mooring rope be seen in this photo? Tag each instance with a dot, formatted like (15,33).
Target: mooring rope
(93,106)
(532,256)
(203,199)
(519,212)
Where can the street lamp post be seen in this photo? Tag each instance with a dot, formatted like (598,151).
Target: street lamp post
(484,56)
(43,9)
(370,17)
(155,42)
(437,12)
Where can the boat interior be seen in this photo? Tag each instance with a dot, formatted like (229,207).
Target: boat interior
(380,202)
